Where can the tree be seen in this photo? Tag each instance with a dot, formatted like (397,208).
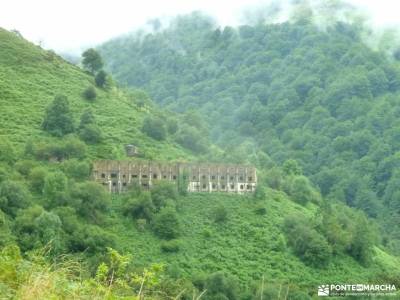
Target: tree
(155,128)
(300,189)
(292,167)
(92,60)
(191,138)
(58,118)
(89,132)
(100,79)
(36,228)
(172,126)
(55,188)
(13,196)
(90,200)
(166,223)
(361,246)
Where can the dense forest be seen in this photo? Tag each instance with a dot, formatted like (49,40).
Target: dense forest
(314,110)
(273,92)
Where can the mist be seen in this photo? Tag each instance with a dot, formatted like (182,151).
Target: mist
(71,26)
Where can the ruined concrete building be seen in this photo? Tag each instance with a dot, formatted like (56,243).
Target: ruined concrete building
(117,176)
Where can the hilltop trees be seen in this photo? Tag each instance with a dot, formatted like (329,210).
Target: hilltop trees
(92,61)
(58,118)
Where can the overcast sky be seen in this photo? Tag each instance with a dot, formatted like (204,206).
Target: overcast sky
(71,25)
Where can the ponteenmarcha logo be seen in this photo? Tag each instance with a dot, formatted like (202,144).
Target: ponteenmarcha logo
(356,289)
(323,290)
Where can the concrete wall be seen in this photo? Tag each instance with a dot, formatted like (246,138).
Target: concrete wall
(117,176)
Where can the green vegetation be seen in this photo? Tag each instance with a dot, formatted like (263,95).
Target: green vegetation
(320,99)
(92,61)
(270,95)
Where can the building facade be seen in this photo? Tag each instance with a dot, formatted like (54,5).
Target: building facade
(118,176)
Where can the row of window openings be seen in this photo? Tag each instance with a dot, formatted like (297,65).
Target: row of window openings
(155,176)
(204,186)
(223,186)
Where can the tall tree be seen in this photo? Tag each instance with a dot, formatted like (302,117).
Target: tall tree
(58,118)
(92,60)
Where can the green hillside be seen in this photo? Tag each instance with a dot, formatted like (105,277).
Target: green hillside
(31,78)
(63,236)
(292,90)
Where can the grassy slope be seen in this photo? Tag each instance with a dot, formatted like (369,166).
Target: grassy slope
(30,78)
(246,245)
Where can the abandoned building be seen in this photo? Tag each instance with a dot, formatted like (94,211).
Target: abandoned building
(118,176)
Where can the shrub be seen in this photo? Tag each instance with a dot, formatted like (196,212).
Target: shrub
(71,147)
(101,79)
(7,151)
(91,239)
(79,170)
(140,208)
(91,134)
(301,190)
(260,209)
(24,167)
(90,93)
(37,179)
(172,126)
(221,286)
(220,214)
(292,167)
(36,228)
(259,193)
(87,118)
(13,196)
(163,191)
(170,246)
(306,242)
(55,188)
(5,172)
(141,224)
(207,233)
(166,224)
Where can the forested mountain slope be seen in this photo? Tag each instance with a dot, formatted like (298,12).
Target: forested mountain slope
(280,91)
